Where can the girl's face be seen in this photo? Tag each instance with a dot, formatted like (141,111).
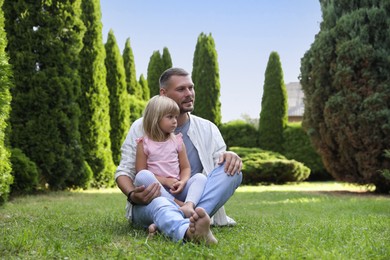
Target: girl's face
(168,123)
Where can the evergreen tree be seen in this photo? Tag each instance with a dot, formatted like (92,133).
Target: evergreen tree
(129,65)
(119,97)
(157,65)
(94,99)
(205,74)
(5,99)
(154,73)
(143,85)
(166,60)
(345,76)
(45,39)
(273,115)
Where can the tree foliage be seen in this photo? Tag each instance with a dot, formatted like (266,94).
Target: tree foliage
(119,97)
(166,60)
(129,65)
(205,75)
(5,99)
(273,115)
(94,99)
(143,85)
(157,65)
(45,39)
(345,76)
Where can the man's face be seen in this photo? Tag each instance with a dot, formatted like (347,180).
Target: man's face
(181,90)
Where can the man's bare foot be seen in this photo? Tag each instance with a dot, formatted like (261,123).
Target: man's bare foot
(199,228)
(152,229)
(188,209)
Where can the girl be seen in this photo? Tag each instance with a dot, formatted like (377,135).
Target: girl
(161,156)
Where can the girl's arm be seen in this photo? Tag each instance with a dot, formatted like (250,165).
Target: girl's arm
(140,158)
(185,168)
(185,172)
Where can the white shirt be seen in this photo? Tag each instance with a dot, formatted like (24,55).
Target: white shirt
(205,136)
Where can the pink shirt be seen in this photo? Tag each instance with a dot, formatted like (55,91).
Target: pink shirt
(163,157)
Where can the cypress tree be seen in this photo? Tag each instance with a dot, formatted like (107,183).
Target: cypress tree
(154,72)
(143,85)
(345,76)
(94,99)
(5,99)
(166,60)
(273,115)
(157,65)
(129,65)
(44,48)
(119,97)
(205,74)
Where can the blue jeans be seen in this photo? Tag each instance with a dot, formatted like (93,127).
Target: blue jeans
(167,216)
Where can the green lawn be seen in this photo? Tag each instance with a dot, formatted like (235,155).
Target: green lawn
(307,221)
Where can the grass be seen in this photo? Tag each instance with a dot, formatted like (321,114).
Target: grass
(307,221)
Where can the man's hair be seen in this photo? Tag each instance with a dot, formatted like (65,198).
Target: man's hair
(166,75)
(156,109)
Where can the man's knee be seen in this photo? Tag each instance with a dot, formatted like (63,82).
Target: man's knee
(220,175)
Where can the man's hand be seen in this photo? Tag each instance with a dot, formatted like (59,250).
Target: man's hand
(144,196)
(233,162)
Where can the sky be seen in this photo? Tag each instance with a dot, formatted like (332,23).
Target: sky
(245,33)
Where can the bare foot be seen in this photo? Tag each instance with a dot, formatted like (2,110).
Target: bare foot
(188,209)
(199,229)
(152,229)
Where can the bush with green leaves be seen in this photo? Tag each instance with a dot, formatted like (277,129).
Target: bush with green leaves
(25,172)
(239,133)
(44,44)
(205,74)
(297,146)
(137,106)
(5,99)
(273,115)
(260,166)
(345,76)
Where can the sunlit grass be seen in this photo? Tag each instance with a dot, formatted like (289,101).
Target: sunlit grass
(308,186)
(306,221)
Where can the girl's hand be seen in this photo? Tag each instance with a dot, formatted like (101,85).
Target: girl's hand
(177,187)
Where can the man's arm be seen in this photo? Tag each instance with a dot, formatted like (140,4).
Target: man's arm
(140,195)
(125,172)
(233,162)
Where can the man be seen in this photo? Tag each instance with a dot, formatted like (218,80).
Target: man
(206,152)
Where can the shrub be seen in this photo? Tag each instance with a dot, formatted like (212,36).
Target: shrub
(345,77)
(297,146)
(5,176)
(137,106)
(239,133)
(25,172)
(260,166)
(5,99)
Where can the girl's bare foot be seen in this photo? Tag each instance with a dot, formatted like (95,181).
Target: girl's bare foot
(152,229)
(188,209)
(199,228)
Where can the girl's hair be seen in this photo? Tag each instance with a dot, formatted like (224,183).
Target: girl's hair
(157,107)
